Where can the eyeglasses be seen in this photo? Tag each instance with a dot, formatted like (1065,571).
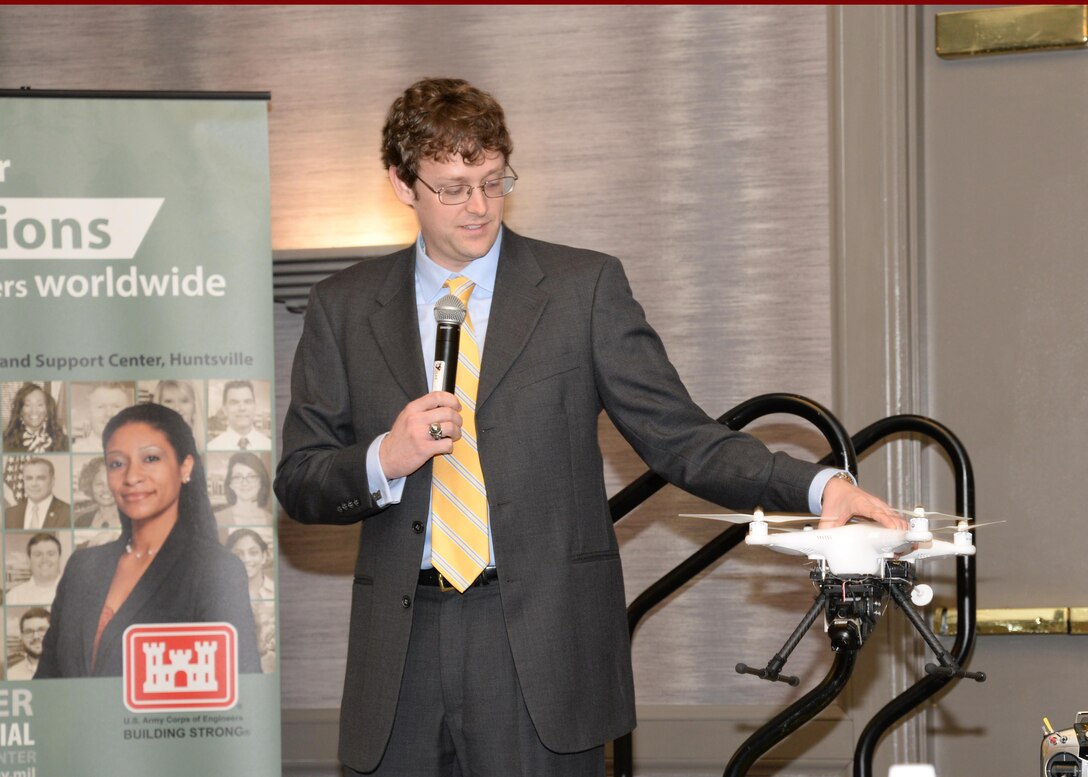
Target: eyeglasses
(462,192)
(244,478)
(39,632)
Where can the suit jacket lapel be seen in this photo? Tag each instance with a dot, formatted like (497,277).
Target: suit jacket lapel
(396,325)
(94,602)
(515,311)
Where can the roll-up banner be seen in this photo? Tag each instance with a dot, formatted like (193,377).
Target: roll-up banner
(136,367)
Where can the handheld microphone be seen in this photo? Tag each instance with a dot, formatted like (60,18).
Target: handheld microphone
(450,313)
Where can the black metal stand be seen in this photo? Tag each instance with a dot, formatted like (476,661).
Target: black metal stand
(966,573)
(842,453)
(798,713)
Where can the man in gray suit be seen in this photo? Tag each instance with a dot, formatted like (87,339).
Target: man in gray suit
(528,671)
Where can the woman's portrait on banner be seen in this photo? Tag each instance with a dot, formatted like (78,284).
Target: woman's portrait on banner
(34,418)
(253,547)
(184,396)
(167,566)
(92,501)
(265,615)
(240,486)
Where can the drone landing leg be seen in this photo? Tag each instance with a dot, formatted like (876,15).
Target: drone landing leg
(797,714)
(949,667)
(774,666)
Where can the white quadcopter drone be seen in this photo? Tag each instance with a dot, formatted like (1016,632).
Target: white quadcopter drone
(856,548)
(856,565)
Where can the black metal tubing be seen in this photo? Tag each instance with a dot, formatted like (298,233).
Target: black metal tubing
(794,716)
(642,488)
(966,602)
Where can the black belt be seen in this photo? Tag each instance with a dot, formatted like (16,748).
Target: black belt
(435,578)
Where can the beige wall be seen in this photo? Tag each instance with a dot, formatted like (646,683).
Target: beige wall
(748,164)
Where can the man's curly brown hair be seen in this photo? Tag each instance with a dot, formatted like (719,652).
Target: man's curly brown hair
(440,118)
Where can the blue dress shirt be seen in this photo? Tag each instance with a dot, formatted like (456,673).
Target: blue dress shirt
(429,279)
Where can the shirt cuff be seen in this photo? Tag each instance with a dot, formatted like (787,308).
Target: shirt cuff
(816,489)
(384,492)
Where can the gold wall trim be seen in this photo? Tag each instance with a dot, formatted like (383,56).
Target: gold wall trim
(1011,29)
(1017,620)
(1078,620)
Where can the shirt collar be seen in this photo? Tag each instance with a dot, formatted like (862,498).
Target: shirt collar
(430,276)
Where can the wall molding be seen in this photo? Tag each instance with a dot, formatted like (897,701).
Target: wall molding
(876,260)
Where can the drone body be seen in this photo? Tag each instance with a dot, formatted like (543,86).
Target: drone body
(857,549)
(853,549)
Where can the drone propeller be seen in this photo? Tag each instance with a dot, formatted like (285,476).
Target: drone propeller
(963,525)
(960,522)
(918,512)
(752,517)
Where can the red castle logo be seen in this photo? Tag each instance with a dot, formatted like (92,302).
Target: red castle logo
(180,666)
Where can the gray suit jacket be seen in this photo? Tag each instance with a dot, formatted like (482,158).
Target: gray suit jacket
(565,340)
(58,517)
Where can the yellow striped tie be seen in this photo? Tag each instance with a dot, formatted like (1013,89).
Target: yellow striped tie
(459,548)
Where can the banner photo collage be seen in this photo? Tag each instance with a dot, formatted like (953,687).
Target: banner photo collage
(136,286)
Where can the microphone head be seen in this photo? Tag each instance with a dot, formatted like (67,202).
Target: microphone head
(450,310)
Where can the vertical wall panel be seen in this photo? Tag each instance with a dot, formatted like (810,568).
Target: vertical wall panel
(1005,292)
